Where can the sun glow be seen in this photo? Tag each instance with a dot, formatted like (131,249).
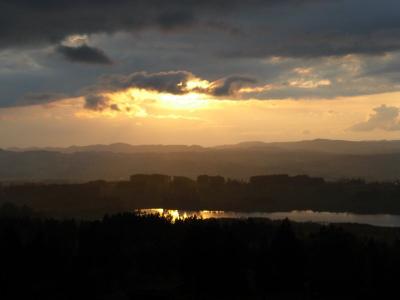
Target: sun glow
(189,101)
(197,84)
(195,98)
(191,97)
(134,100)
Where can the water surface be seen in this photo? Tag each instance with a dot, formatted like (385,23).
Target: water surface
(297,216)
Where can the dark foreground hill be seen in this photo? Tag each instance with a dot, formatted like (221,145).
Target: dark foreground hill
(148,257)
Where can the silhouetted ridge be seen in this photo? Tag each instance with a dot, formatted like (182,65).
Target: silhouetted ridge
(116,148)
(317,145)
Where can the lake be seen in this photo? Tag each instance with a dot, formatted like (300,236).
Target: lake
(297,216)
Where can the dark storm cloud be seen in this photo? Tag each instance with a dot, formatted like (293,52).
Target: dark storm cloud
(263,39)
(25,22)
(84,54)
(297,28)
(173,82)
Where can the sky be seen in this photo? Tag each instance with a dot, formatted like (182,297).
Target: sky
(205,72)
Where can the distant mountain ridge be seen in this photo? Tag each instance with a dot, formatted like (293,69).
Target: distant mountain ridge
(371,160)
(115,148)
(325,145)
(317,145)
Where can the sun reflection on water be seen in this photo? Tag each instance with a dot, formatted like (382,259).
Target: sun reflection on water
(180,214)
(297,216)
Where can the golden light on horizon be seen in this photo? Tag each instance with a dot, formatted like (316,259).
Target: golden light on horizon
(147,117)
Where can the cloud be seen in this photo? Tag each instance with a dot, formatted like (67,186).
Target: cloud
(49,22)
(230,86)
(264,39)
(254,28)
(40,98)
(96,102)
(84,54)
(173,82)
(384,118)
(175,19)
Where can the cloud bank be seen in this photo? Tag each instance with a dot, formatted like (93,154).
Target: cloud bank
(248,28)
(384,118)
(172,82)
(349,47)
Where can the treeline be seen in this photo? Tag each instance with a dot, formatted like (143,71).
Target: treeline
(260,193)
(127,256)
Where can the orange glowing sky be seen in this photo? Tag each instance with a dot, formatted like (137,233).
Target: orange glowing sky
(148,117)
